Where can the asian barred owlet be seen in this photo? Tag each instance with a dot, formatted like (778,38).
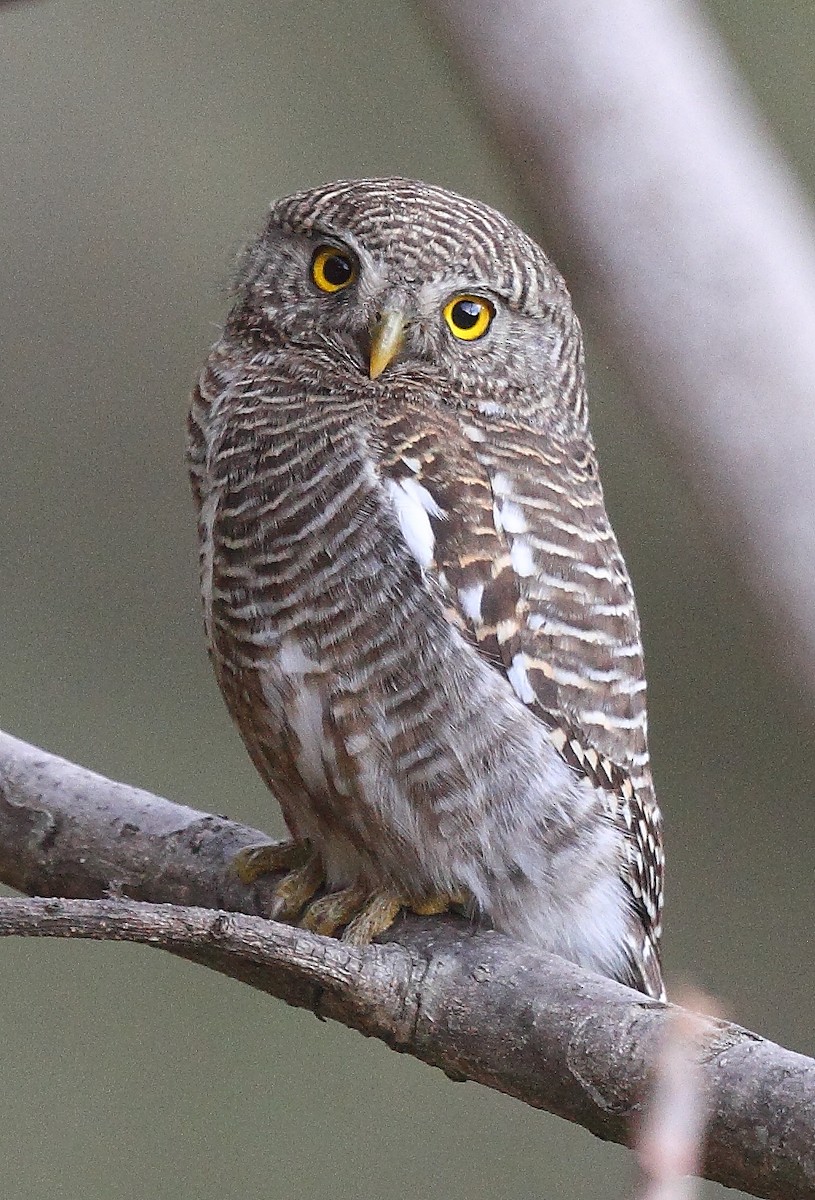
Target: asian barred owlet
(415,604)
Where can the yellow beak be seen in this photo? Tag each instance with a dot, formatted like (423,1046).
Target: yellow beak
(387,337)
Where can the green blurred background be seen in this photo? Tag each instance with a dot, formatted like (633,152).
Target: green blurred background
(139,146)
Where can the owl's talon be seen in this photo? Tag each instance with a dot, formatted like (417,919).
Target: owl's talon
(267,858)
(331,912)
(367,914)
(304,873)
(296,889)
(377,914)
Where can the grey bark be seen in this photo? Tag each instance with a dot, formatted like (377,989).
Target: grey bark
(473,1003)
(685,237)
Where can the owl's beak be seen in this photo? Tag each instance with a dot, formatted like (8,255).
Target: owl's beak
(387,337)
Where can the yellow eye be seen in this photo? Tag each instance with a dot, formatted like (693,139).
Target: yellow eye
(468,317)
(332,269)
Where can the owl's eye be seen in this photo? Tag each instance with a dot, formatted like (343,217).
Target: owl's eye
(468,317)
(332,269)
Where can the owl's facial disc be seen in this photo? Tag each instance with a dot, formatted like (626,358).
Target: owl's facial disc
(387,339)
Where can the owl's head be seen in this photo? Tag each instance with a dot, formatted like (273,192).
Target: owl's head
(378,283)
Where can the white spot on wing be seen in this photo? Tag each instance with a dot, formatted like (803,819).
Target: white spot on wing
(414,507)
(521,558)
(520,680)
(357,743)
(412,464)
(490,408)
(420,493)
(473,433)
(470,599)
(512,517)
(505,630)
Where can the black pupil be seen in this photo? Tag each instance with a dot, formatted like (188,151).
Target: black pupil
(337,270)
(466,313)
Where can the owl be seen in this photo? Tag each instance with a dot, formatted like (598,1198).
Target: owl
(414,603)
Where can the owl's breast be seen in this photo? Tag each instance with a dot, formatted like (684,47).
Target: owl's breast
(388,738)
(283,499)
(302,552)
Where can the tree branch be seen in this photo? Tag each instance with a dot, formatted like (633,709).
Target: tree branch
(475,1004)
(683,234)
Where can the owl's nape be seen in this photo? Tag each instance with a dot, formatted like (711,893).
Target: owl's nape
(414,602)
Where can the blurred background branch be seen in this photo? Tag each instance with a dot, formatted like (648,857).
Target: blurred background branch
(478,1006)
(670,1136)
(684,235)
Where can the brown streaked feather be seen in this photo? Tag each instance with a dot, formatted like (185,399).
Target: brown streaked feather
(573,614)
(526,535)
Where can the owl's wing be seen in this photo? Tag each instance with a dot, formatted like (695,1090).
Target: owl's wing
(514,531)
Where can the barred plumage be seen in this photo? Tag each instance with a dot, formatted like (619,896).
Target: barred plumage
(415,604)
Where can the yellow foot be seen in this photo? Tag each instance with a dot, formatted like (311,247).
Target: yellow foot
(331,912)
(377,914)
(304,874)
(380,909)
(431,906)
(265,858)
(296,889)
